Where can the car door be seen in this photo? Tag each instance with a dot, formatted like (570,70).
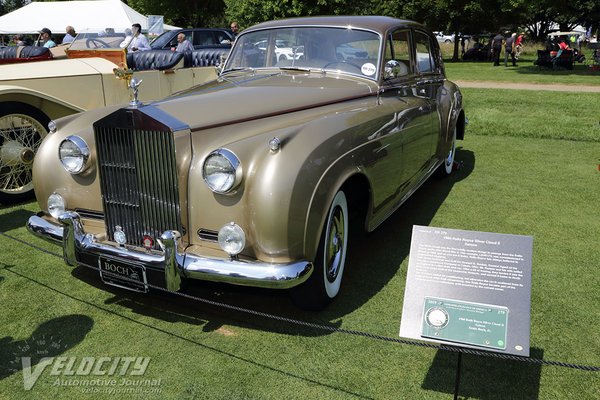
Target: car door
(429,81)
(405,138)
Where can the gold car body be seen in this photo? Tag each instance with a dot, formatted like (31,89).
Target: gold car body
(301,136)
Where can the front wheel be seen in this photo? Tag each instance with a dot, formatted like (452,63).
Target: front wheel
(22,128)
(324,283)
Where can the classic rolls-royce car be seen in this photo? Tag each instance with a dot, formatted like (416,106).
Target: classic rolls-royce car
(32,94)
(252,179)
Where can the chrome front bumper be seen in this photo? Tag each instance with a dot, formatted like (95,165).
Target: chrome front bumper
(76,242)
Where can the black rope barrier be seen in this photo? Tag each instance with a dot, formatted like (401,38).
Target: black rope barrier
(334,329)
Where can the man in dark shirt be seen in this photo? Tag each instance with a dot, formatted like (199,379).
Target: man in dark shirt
(509,49)
(497,48)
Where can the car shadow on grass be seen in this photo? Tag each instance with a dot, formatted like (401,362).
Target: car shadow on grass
(372,261)
(14,219)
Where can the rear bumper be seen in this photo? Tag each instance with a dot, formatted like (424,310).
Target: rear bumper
(77,244)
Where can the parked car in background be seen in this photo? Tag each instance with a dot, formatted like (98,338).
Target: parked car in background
(444,38)
(31,94)
(257,178)
(283,50)
(479,48)
(200,38)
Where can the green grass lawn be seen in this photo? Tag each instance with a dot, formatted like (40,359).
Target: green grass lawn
(524,72)
(534,177)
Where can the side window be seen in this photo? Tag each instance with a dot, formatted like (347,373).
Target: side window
(399,50)
(425,59)
(203,38)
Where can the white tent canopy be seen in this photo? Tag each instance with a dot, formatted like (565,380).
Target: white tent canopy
(94,15)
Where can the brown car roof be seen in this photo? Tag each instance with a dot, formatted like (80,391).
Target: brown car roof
(374,23)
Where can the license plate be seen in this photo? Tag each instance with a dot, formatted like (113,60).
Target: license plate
(123,274)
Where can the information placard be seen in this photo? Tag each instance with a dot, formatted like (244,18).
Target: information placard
(469,288)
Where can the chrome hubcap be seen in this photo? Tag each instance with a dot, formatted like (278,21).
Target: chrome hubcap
(335,244)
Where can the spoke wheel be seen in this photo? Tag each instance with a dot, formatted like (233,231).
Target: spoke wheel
(325,282)
(22,129)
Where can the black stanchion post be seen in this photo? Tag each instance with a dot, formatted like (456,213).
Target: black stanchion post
(457,382)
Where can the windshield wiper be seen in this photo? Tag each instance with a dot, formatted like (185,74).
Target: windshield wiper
(239,69)
(306,69)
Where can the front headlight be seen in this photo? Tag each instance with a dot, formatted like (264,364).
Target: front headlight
(222,171)
(74,154)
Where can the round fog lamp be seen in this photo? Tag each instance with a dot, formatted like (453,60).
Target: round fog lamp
(56,205)
(232,239)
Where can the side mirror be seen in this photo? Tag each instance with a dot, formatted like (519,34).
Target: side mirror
(391,69)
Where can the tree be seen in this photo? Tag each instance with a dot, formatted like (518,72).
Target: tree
(250,12)
(7,6)
(184,13)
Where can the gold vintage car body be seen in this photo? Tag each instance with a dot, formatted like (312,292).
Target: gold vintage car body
(32,94)
(311,145)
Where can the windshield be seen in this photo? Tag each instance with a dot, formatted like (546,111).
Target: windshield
(106,39)
(161,41)
(320,48)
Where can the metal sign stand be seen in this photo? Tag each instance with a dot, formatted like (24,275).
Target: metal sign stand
(457,381)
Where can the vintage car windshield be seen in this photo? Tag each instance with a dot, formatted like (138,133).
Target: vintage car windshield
(344,50)
(106,39)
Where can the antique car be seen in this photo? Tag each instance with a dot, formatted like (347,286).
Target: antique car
(252,179)
(32,94)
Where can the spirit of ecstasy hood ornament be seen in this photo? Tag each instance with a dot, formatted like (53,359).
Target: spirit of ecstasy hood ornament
(133,85)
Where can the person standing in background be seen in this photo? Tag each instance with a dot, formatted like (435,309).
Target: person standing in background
(138,41)
(19,40)
(497,48)
(70,36)
(519,45)
(509,49)
(46,38)
(184,45)
(235,28)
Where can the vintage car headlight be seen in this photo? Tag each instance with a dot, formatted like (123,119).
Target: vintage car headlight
(74,154)
(222,171)
(56,205)
(232,239)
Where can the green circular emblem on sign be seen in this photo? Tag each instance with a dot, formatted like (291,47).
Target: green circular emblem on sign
(436,317)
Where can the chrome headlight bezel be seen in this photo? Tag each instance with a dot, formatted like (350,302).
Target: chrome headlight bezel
(222,171)
(76,162)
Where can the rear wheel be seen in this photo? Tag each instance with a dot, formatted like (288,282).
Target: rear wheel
(22,128)
(324,283)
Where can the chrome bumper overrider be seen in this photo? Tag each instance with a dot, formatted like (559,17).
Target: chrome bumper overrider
(75,242)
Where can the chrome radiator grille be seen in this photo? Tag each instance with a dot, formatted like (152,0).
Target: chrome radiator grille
(138,179)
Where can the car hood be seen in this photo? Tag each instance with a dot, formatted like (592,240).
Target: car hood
(232,99)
